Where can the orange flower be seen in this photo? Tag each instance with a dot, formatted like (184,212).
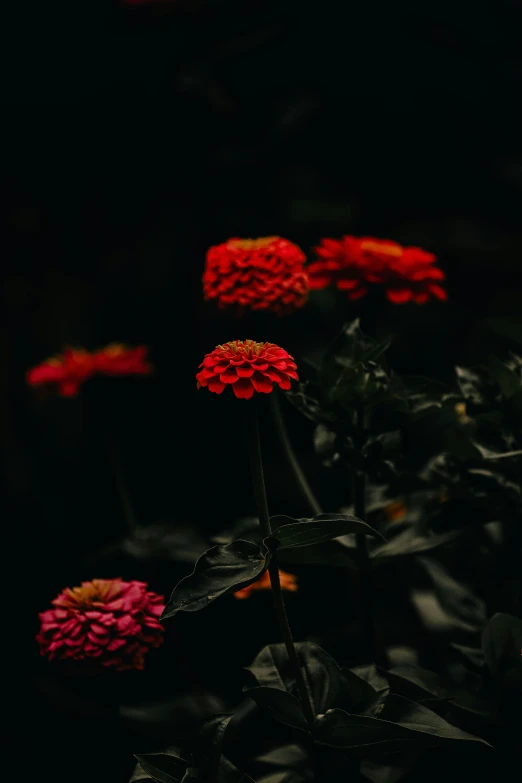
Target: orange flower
(395,511)
(288,582)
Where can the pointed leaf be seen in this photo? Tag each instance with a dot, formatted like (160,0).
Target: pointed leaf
(473,386)
(163,767)
(326,683)
(464,609)
(384,770)
(368,689)
(416,683)
(229,773)
(193,774)
(417,728)
(139,774)
(220,570)
(409,542)
(502,645)
(291,533)
(508,378)
(285,707)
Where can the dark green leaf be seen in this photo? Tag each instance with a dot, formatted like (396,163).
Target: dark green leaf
(285,756)
(229,773)
(473,386)
(221,570)
(386,771)
(139,774)
(464,609)
(502,645)
(307,402)
(291,533)
(193,773)
(291,763)
(371,675)
(416,683)
(326,683)
(508,378)
(285,707)
(368,689)
(409,542)
(163,767)
(414,727)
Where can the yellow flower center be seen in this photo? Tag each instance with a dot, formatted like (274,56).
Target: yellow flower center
(248,347)
(386,248)
(98,590)
(252,244)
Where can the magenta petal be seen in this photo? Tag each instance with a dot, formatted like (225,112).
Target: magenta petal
(115,644)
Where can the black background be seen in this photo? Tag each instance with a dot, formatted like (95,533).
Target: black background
(138,136)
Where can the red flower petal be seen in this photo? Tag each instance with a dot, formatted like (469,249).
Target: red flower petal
(261,383)
(243,389)
(399,295)
(230,376)
(245,372)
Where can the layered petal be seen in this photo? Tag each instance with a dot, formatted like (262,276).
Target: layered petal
(247,367)
(69,370)
(108,621)
(353,263)
(256,274)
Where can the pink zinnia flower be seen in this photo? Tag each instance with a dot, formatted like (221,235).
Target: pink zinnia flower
(109,621)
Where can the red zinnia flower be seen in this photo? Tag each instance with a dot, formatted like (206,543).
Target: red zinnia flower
(67,371)
(111,621)
(352,263)
(118,359)
(288,582)
(256,274)
(70,369)
(248,367)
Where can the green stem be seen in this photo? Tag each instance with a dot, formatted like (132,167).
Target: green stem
(121,484)
(256,467)
(359,502)
(290,455)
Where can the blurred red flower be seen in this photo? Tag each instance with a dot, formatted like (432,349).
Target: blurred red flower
(248,367)
(288,582)
(354,263)
(108,620)
(118,359)
(256,274)
(69,370)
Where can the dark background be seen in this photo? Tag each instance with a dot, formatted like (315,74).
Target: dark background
(138,136)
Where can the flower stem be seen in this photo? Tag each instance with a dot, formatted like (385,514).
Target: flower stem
(121,485)
(256,467)
(359,502)
(290,455)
